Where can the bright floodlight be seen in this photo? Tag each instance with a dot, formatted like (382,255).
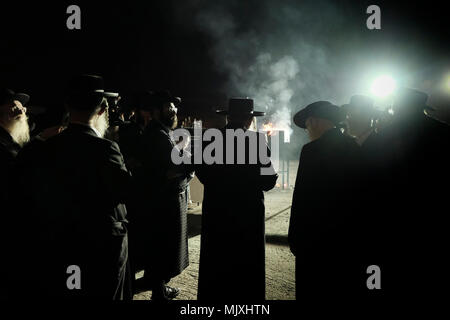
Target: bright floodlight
(383,86)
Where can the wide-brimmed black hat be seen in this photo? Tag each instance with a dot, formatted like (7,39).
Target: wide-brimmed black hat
(148,100)
(361,103)
(87,85)
(241,106)
(411,98)
(319,109)
(7,95)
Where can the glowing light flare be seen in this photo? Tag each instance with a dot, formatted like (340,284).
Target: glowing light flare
(446,83)
(383,86)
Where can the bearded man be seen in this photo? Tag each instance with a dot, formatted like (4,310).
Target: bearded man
(161,225)
(76,185)
(14,129)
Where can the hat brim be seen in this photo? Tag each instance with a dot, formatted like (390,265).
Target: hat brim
(110,94)
(251,113)
(370,110)
(176,100)
(98,93)
(23,98)
(334,115)
(300,119)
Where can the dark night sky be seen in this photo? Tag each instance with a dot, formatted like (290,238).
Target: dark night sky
(150,44)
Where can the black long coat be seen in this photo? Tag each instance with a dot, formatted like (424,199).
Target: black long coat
(160,227)
(8,152)
(326,218)
(232,254)
(418,157)
(75,185)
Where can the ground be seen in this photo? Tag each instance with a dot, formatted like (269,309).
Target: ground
(280,278)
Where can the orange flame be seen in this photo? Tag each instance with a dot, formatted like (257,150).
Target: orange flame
(268,127)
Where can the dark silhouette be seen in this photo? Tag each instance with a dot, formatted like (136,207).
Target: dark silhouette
(416,179)
(371,189)
(14,133)
(76,185)
(160,224)
(232,255)
(324,224)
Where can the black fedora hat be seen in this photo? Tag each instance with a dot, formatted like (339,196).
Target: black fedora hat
(319,109)
(241,106)
(411,98)
(87,85)
(361,103)
(148,100)
(7,95)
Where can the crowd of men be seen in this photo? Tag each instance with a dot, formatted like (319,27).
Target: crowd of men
(98,190)
(370,192)
(107,208)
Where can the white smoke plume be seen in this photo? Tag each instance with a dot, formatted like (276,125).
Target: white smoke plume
(274,52)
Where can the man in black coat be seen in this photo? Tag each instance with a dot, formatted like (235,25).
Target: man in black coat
(324,225)
(14,133)
(232,253)
(76,185)
(361,118)
(160,227)
(417,157)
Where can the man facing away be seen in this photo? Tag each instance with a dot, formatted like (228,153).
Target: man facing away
(76,183)
(324,225)
(232,253)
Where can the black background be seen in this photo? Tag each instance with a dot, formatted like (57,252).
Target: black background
(155,44)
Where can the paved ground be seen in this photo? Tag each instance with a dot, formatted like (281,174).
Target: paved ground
(280,280)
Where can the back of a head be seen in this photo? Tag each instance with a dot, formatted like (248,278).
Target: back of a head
(239,121)
(80,93)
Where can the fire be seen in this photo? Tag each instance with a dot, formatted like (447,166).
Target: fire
(268,127)
(271,129)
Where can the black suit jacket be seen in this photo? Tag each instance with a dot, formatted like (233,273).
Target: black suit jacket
(76,185)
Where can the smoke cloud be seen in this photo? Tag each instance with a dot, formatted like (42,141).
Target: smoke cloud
(279,53)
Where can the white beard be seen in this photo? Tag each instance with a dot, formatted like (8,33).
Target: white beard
(20,131)
(102,123)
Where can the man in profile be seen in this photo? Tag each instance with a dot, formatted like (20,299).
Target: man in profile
(76,184)
(160,226)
